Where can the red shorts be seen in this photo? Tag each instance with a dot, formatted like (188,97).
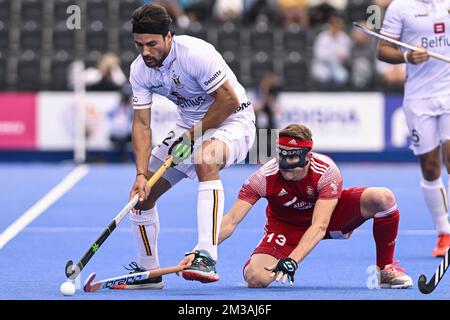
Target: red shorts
(281,238)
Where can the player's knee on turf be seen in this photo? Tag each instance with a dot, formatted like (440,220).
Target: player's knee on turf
(257,277)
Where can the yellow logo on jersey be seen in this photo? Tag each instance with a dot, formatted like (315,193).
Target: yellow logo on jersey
(177,81)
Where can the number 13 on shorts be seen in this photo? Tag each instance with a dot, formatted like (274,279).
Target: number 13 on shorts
(279,239)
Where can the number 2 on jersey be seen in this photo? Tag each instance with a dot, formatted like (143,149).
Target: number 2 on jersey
(170,135)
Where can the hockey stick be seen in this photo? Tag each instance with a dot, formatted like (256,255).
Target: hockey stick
(425,287)
(121,281)
(72,271)
(399,43)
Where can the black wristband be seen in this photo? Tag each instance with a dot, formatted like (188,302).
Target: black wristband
(141,173)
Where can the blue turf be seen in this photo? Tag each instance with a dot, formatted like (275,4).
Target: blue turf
(32,264)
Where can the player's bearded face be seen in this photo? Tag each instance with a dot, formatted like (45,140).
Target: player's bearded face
(153,48)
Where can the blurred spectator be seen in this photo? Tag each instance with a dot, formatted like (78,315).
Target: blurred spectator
(323,10)
(260,10)
(120,124)
(362,59)
(392,76)
(294,12)
(228,10)
(331,54)
(175,9)
(198,10)
(267,108)
(106,76)
(338,5)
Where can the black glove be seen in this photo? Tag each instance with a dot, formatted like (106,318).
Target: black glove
(181,149)
(287,266)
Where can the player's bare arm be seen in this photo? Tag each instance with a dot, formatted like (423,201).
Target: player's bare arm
(391,53)
(231,220)
(142,144)
(226,102)
(320,221)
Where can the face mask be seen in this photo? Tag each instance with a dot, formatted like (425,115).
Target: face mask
(284,155)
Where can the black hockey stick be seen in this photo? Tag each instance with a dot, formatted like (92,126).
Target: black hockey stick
(425,287)
(72,271)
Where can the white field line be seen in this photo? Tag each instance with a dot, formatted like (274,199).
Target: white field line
(403,232)
(43,204)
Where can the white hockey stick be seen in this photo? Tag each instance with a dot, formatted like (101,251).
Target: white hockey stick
(129,279)
(399,43)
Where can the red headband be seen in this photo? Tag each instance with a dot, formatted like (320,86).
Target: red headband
(294,142)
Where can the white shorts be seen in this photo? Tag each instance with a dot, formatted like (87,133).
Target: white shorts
(237,133)
(428,122)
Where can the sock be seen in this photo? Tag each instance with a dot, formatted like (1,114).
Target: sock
(385,228)
(436,200)
(210,205)
(448,194)
(145,226)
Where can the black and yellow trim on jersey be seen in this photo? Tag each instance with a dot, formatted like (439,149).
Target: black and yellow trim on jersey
(215,210)
(145,240)
(444,199)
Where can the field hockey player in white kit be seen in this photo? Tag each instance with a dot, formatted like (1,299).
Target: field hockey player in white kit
(426,103)
(215,128)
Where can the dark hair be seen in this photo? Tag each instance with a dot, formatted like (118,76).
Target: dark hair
(151,16)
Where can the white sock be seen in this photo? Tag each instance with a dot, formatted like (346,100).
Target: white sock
(436,200)
(145,226)
(448,193)
(210,205)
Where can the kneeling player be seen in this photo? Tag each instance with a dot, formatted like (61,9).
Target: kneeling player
(306,204)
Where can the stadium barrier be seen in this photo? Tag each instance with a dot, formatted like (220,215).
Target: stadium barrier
(350,126)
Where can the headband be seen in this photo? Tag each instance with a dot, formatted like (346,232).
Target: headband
(294,142)
(162,28)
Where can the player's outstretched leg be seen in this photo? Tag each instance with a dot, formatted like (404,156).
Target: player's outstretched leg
(380,204)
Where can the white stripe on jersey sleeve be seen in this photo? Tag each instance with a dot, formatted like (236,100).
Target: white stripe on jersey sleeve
(142,95)
(318,171)
(318,165)
(270,168)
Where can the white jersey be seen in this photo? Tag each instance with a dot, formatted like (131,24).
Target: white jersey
(425,23)
(192,70)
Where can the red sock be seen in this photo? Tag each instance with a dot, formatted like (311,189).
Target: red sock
(385,233)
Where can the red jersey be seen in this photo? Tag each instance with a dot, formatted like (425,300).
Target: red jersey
(293,201)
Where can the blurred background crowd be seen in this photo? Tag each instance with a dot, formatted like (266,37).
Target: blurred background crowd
(308,44)
(272,46)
